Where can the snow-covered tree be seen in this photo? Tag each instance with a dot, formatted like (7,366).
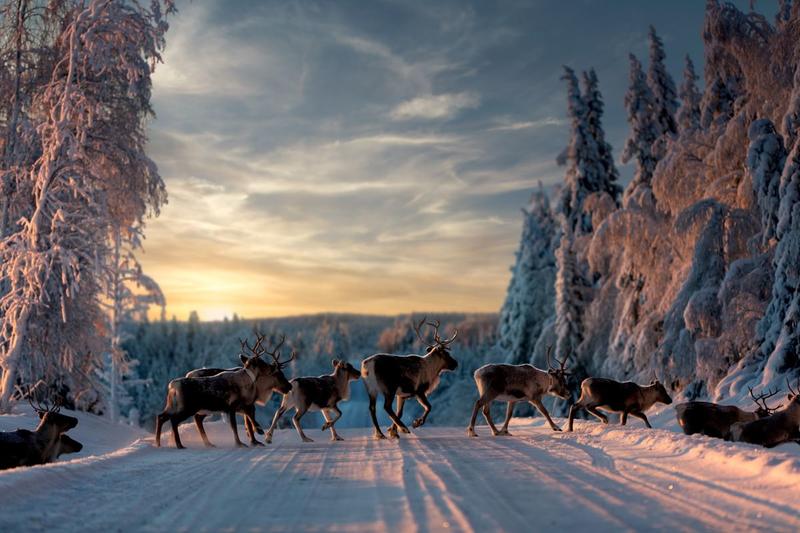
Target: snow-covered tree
(665,101)
(689,111)
(91,176)
(530,297)
(129,295)
(570,297)
(645,130)
(791,120)
(779,331)
(608,177)
(766,158)
(590,165)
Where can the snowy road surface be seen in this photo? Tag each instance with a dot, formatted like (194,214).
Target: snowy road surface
(602,478)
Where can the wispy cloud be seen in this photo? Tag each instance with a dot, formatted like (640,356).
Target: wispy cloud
(525,125)
(434,106)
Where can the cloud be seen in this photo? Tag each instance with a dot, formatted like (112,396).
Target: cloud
(435,106)
(531,124)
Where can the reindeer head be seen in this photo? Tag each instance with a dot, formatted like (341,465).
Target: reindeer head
(269,376)
(439,347)
(50,415)
(558,377)
(763,410)
(661,392)
(340,365)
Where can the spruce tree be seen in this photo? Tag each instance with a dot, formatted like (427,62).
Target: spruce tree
(644,130)
(689,112)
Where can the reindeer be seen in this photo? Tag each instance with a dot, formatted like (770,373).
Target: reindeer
(516,383)
(227,392)
(66,445)
(317,394)
(618,397)
(783,426)
(27,448)
(405,376)
(714,420)
(251,425)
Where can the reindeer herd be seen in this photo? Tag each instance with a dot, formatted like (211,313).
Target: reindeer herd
(399,378)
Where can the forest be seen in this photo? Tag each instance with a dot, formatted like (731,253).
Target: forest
(687,273)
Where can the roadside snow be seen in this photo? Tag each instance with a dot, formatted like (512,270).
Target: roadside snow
(600,477)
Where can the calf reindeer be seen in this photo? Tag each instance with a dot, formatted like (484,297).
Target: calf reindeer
(618,397)
(783,426)
(27,448)
(714,420)
(406,376)
(228,392)
(67,445)
(321,393)
(517,383)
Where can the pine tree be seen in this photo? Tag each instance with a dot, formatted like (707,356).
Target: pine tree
(570,302)
(766,158)
(779,330)
(607,180)
(530,296)
(644,130)
(665,101)
(689,112)
(791,119)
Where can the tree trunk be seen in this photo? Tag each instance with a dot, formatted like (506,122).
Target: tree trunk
(10,362)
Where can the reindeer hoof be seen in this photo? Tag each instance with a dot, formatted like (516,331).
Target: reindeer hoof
(379,436)
(180,446)
(404,429)
(504,433)
(471,433)
(337,437)
(306,439)
(256,443)
(209,445)
(417,423)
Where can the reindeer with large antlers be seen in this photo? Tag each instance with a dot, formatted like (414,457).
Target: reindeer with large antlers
(626,397)
(229,392)
(406,376)
(715,420)
(517,383)
(251,425)
(783,426)
(40,446)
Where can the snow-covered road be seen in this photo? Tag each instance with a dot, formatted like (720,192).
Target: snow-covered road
(603,478)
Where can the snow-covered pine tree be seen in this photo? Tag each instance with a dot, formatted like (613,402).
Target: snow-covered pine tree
(779,330)
(644,129)
(665,101)
(570,301)
(129,295)
(791,120)
(91,161)
(766,159)
(607,180)
(530,296)
(689,111)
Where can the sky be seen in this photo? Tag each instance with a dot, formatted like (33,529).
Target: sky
(372,157)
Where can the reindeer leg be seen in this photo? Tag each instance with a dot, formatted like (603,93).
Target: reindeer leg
(392,430)
(277,416)
(198,421)
(471,429)
(487,414)
(250,424)
(509,414)
(372,406)
(540,406)
(235,429)
(642,417)
(334,436)
(600,416)
(160,419)
(423,401)
(387,406)
(174,421)
(573,410)
(298,414)
(623,418)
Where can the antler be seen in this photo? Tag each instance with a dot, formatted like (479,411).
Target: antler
(417,326)
(274,350)
(562,364)
(789,385)
(761,399)
(435,325)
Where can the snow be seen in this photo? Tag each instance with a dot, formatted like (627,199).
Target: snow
(600,477)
